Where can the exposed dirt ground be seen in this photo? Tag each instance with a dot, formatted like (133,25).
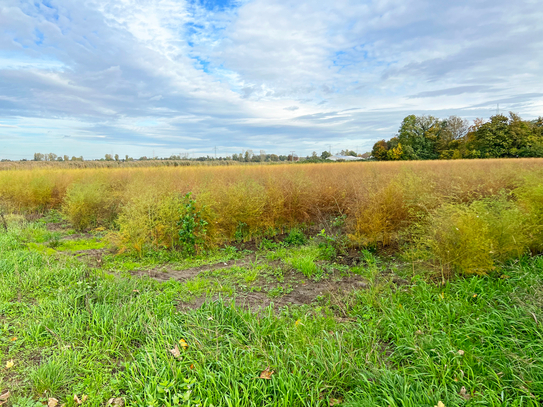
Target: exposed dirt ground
(165,273)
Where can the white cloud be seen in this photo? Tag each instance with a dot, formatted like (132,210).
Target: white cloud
(272,74)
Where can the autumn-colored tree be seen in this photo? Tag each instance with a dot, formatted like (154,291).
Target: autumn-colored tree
(380,150)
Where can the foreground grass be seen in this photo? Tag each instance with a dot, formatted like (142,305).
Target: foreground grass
(70,330)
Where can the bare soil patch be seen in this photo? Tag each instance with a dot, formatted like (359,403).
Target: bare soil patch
(165,273)
(303,293)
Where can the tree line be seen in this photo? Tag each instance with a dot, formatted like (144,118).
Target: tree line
(432,138)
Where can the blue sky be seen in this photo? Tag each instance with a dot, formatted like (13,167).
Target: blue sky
(143,77)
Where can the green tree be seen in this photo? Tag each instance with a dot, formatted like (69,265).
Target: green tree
(325,155)
(422,134)
(503,136)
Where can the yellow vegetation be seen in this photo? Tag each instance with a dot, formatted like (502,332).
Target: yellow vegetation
(379,199)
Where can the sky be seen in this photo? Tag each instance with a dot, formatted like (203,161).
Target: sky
(162,77)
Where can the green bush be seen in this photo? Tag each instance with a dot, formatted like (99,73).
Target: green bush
(295,238)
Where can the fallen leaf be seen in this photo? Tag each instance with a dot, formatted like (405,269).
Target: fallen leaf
(440,404)
(52,402)
(191,366)
(13,339)
(9,364)
(266,374)
(183,344)
(115,402)
(474,295)
(175,352)
(82,400)
(461,352)
(335,402)
(464,393)
(419,332)
(4,397)
(210,318)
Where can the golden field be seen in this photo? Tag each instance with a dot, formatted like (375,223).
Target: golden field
(435,206)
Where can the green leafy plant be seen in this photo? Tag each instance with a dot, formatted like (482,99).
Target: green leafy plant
(267,244)
(242,231)
(331,246)
(192,226)
(295,238)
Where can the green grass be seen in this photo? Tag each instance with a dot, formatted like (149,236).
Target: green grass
(74,330)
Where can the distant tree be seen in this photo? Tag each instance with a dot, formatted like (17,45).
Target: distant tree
(248,156)
(419,136)
(274,157)
(348,152)
(66,158)
(380,150)
(325,155)
(39,157)
(116,157)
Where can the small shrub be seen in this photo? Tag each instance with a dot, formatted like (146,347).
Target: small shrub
(193,229)
(295,238)
(267,244)
(331,246)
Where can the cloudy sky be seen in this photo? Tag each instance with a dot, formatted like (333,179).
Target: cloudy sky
(144,77)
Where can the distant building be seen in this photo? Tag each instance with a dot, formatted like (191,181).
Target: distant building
(344,158)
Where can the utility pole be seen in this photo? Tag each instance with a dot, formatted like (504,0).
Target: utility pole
(292,156)
(215,152)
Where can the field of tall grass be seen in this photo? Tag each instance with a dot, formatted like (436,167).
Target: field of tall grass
(26,165)
(461,215)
